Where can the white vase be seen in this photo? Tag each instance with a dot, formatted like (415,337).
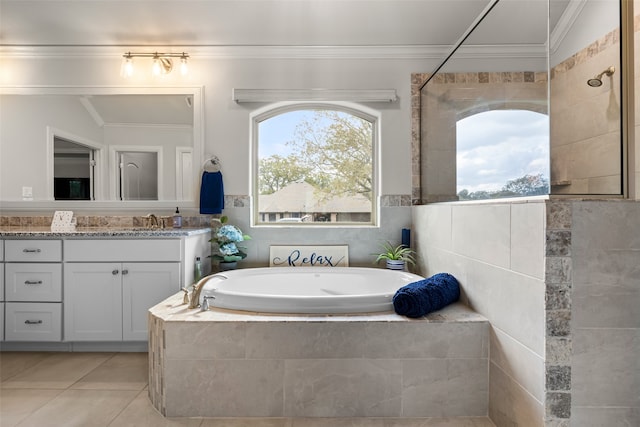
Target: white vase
(395,264)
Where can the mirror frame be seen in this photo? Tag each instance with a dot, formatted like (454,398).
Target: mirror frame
(197,92)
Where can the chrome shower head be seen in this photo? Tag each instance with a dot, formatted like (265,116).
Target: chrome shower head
(597,80)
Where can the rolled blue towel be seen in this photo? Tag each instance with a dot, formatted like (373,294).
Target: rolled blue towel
(424,296)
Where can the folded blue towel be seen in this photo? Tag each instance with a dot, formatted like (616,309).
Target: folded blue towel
(211,193)
(424,296)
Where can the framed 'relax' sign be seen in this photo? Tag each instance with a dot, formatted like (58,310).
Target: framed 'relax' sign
(308,256)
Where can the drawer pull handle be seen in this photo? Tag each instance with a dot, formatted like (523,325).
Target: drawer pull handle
(33,282)
(125,271)
(33,322)
(114,272)
(31,251)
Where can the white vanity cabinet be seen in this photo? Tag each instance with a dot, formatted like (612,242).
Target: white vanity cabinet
(109,286)
(33,290)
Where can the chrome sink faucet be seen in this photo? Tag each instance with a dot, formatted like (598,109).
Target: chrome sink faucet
(152,221)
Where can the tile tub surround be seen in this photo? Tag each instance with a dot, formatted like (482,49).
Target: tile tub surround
(223,363)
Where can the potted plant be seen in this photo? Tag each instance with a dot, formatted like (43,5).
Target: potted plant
(396,256)
(227,251)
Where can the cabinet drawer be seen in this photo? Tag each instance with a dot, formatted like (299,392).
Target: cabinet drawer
(33,250)
(151,250)
(33,282)
(25,321)
(1,250)
(1,282)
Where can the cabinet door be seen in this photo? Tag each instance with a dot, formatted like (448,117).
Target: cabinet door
(143,286)
(93,301)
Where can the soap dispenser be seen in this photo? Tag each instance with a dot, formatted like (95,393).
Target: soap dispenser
(177,219)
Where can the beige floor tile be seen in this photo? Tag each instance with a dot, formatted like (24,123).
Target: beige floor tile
(140,413)
(81,408)
(13,363)
(17,404)
(337,422)
(246,422)
(124,371)
(59,370)
(440,422)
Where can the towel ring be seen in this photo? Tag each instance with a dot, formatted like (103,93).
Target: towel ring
(212,165)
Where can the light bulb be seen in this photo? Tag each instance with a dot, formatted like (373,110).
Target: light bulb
(127,67)
(184,68)
(156,68)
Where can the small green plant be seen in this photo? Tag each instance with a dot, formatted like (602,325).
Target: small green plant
(396,253)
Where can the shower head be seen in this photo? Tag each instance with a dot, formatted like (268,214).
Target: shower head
(597,80)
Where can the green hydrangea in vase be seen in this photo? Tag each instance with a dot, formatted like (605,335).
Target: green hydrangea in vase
(226,249)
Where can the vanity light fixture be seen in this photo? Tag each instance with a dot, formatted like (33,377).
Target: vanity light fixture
(162,62)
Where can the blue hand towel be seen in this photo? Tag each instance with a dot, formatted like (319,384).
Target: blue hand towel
(424,296)
(211,193)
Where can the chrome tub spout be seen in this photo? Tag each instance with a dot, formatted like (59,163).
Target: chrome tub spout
(194,297)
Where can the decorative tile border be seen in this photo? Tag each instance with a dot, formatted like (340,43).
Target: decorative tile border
(592,50)
(558,281)
(135,221)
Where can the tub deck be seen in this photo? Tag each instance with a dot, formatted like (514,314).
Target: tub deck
(224,363)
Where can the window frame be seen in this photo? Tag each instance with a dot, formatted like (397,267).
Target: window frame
(275,109)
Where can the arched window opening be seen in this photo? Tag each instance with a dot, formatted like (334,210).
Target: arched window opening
(315,164)
(502,153)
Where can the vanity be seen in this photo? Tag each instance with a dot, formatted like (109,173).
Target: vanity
(90,289)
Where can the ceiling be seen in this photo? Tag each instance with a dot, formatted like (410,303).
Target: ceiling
(45,23)
(40,25)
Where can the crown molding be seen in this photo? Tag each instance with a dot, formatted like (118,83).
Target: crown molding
(565,23)
(277,52)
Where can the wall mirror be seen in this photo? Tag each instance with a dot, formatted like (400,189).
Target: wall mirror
(100,145)
(485,110)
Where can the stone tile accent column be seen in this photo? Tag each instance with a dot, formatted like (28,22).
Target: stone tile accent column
(558,279)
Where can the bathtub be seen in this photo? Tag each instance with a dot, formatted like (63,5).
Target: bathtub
(305,290)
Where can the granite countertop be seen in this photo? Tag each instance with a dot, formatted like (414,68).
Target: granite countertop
(45,232)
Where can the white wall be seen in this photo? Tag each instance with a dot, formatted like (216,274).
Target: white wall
(23,139)
(226,124)
(226,127)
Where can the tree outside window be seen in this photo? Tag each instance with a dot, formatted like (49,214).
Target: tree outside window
(315,165)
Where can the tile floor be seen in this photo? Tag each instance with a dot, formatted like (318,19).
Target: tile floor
(110,389)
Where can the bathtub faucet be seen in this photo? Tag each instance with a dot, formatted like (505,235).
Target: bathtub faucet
(194,297)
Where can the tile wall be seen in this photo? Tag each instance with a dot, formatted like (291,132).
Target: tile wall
(585,124)
(228,364)
(448,98)
(605,320)
(496,250)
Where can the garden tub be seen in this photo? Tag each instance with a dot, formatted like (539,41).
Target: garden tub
(304,290)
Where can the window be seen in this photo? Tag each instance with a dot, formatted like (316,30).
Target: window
(502,153)
(315,164)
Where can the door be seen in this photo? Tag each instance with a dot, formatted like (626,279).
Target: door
(93,302)
(138,175)
(143,286)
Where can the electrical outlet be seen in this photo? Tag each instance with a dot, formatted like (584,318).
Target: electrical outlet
(27,193)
